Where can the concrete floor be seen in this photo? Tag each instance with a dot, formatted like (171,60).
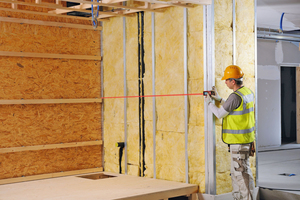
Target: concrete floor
(275,161)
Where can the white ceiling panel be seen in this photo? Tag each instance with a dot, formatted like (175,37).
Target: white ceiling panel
(269,14)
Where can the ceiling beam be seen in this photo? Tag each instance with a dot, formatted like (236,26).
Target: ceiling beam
(155,6)
(113,5)
(169,3)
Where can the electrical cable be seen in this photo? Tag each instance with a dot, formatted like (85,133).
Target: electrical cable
(95,15)
(281,19)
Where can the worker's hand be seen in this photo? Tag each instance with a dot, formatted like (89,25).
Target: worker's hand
(208,99)
(216,96)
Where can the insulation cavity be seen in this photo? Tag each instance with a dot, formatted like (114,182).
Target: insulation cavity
(196,140)
(113,86)
(170,148)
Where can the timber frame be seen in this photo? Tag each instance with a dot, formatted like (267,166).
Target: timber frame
(108,8)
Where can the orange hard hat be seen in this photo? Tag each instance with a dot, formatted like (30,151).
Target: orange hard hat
(233,71)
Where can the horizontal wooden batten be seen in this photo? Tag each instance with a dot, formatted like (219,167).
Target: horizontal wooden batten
(48,23)
(48,101)
(49,14)
(50,146)
(114,14)
(52,175)
(48,55)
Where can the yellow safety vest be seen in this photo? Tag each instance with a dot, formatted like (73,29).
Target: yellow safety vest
(239,125)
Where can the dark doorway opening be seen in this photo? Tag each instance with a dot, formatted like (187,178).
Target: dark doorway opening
(288,105)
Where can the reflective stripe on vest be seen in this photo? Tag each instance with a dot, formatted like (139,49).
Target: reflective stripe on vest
(239,131)
(239,125)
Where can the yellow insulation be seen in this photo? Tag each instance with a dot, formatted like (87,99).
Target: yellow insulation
(196,140)
(170,157)
(113,86)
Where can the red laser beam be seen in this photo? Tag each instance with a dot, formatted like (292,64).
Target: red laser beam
(162,95)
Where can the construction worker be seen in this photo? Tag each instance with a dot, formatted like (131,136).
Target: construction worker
(238,129)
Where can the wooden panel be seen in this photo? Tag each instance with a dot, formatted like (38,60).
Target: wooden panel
(35,78)
(43,39)
(52,175)
(298,103)
(48,55)
(20,164)
(29,125)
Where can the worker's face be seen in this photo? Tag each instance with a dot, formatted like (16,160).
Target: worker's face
(230,83)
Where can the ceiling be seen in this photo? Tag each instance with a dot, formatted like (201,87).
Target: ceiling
(269,14)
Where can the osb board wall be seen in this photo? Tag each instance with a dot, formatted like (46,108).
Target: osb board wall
(224,57)
(169,76)
(29,125)
(38,78)
(40,39)
(48,161)
(298,102)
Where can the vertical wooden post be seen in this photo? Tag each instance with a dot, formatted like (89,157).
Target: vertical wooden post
(298,103)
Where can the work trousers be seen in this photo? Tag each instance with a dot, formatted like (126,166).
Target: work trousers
(241,174)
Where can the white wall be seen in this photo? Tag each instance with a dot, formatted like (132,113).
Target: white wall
(271,55)
(268,104)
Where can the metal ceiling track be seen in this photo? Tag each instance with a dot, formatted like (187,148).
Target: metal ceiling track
(275,34)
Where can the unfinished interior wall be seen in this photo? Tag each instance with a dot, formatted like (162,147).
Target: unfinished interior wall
(24,126)
(169,79)
(224,57)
